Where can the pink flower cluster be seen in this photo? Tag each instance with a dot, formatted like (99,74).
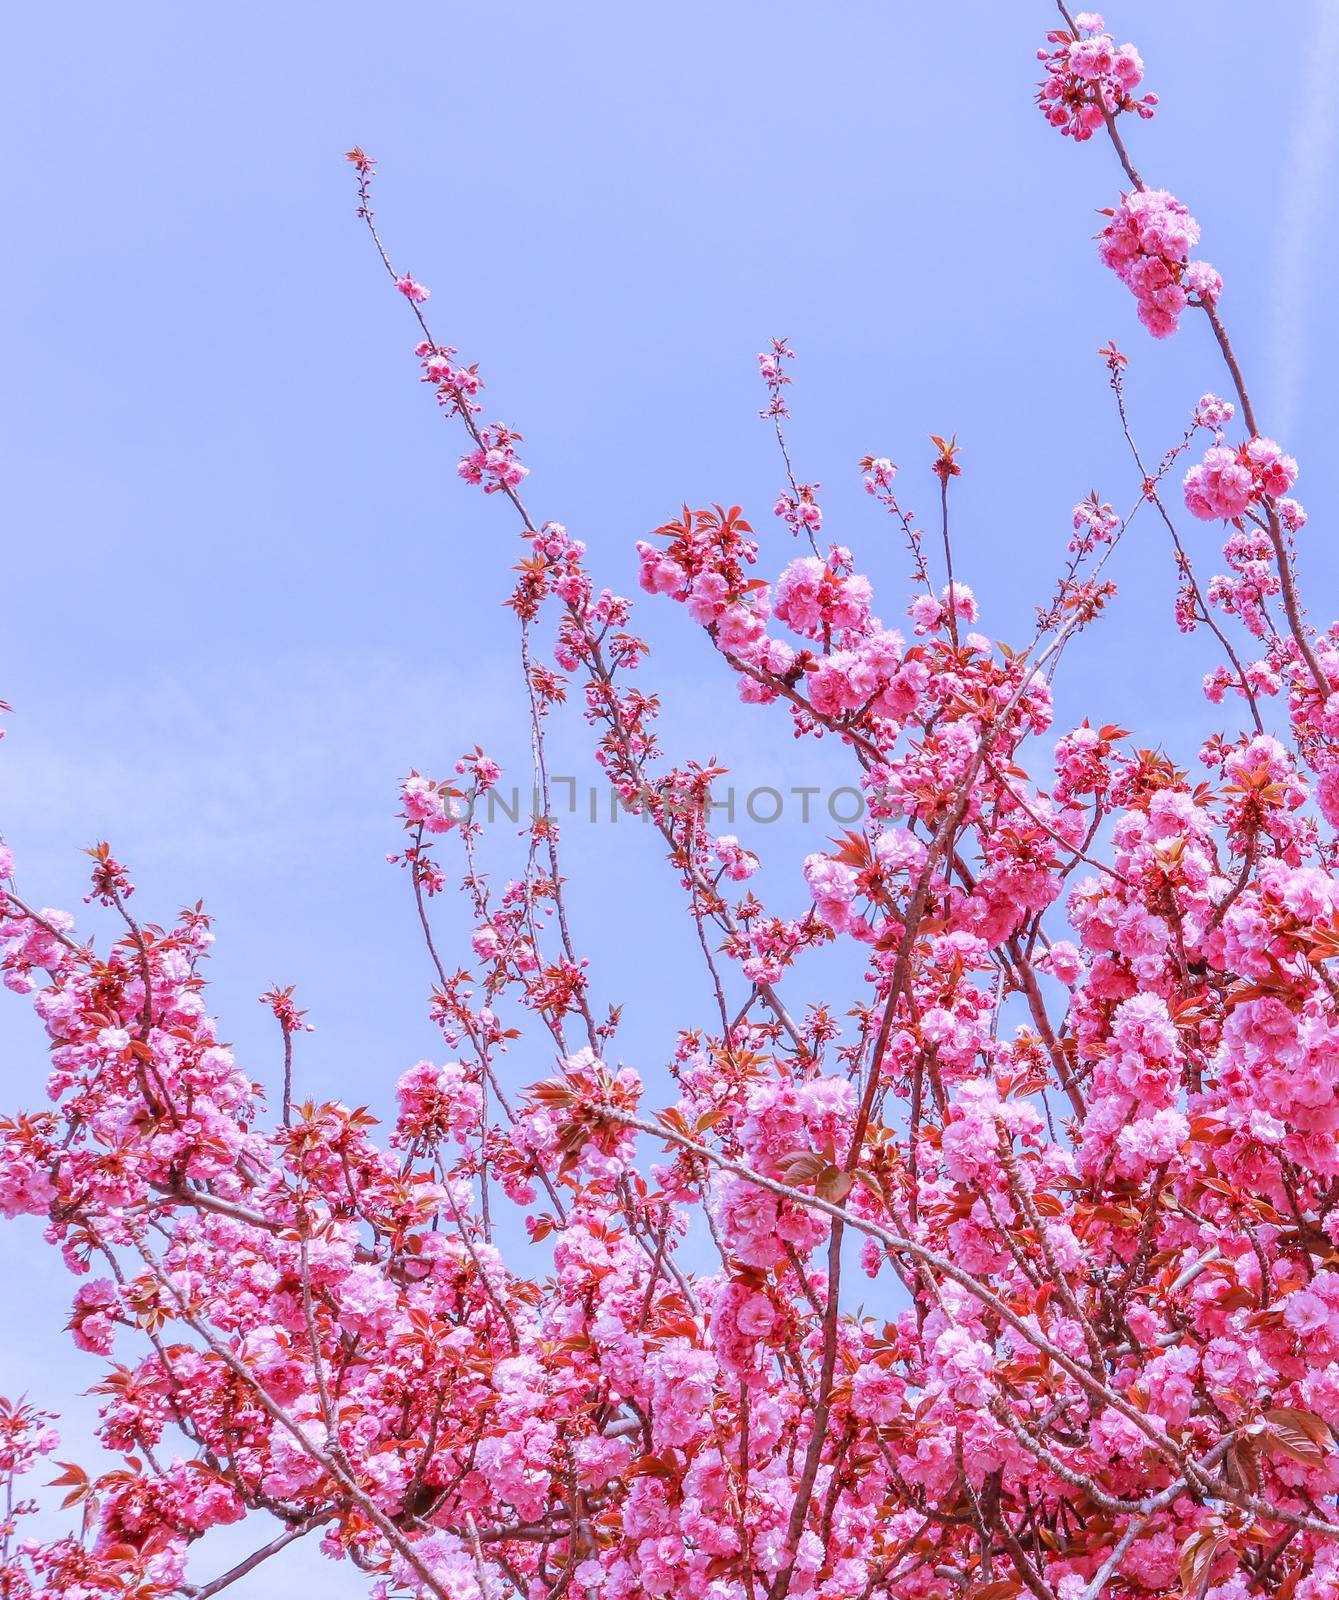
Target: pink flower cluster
(1147,244)
(772,371)
(1214,413)
(879,474)
(428,805)
(1228,482)
(790,1132)
(456,386)
(25,1434)
(820,599)
(494,462)
(737,862)
(1089,78)
(437,1103)
(930,614)
(876,674)
(801,511)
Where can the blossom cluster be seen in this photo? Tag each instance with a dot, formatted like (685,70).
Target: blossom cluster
(1089,78)
(1147,244)
(974,1234)
(1227,482)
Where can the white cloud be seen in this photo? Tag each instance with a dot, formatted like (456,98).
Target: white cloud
(1305,197)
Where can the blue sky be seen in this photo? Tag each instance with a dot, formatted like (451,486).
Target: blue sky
(245,590)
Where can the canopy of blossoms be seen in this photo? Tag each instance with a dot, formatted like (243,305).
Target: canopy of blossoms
(1020,1278)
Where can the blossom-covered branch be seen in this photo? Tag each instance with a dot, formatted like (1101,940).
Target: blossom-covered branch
(1015,1273)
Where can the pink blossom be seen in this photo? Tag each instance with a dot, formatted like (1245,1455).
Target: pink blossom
(1147,244)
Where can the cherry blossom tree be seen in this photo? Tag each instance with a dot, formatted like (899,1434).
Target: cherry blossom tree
(1021,1278)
